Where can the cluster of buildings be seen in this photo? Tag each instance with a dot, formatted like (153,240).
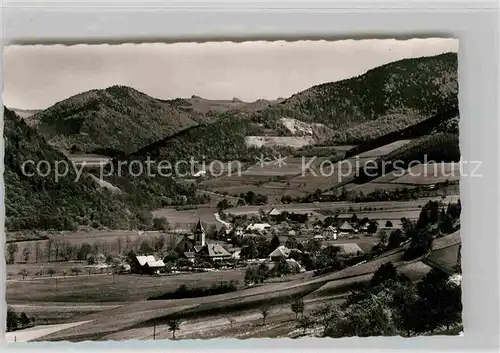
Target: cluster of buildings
(191,246)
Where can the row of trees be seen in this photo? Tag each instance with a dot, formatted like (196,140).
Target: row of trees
(59,249)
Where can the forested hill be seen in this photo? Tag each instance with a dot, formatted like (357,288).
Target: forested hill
(37,202)
(222,140)
(119,118)
(383,100)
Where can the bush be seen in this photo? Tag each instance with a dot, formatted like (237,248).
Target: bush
(184,292)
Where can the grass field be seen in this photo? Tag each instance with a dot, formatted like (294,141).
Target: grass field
(328,176)
(386,149)
(140,314)
(58,313)
(447,240)
(372,186)
(444,258)
(424,174)
(186,218)
(415,270)
(100,288)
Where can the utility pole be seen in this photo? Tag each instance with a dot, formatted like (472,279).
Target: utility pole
(154,329)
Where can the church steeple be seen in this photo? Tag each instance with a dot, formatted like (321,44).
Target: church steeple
(199,234)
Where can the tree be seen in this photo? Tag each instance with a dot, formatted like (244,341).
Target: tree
(38,252)
(264,311)
(364,319)
(75,270)
(12,319)
(439,302)
(24,320)
(11,252)
(304,323)
(291,242)
(324,315)
(119,246)
(231,321)
(83,252)
(159,243)
(395,239)
(282,268)
(24,273)
(385,272)
(298,307)
(51,271)
(388,224)
(26,253)
(174,325)
(171,256)
(160,224)
(145,247)
(372,228)
(48,246)
(57,245)
(223,204)
(275,242)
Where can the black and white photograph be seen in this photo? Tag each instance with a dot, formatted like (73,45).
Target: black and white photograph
(257,189)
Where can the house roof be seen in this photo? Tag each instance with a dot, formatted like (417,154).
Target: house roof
(216,250)
(144,259)
(197,248)
(189,254)
(281,250)
(346,226)
(350,248)
(258,226)
(274,212)
(318,236)
(157,263)
(150,261)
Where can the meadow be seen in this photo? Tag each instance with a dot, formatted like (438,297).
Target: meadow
(108,288)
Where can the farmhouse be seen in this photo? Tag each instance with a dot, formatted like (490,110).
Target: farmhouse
(318,237)
(346,227)
(274,213)
(330,233)
(215,252)
(146,264)
(281,252)
(259,227)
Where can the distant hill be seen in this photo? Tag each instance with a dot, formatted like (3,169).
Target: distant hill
(118,118)
(386,101)
(382,100)
(25,113)
(211,108)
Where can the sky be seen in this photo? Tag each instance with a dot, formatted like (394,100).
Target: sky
(38,76)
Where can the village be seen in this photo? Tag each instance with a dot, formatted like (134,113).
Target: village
(230,246)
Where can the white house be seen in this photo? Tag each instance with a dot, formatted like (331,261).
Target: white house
(259,227)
